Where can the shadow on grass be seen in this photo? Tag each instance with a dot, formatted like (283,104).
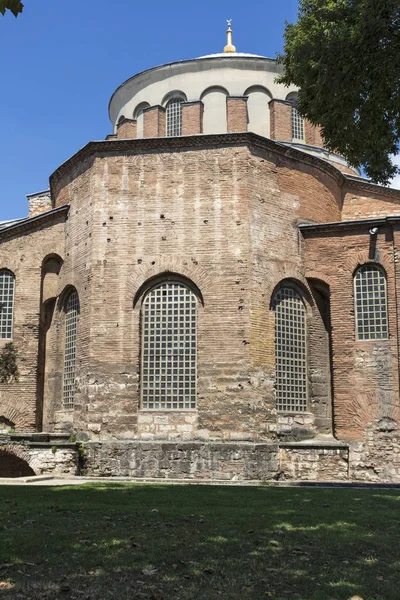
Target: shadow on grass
(205,542)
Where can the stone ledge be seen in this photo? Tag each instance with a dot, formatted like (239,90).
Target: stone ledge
(314,444)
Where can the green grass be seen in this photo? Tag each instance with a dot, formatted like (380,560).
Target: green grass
(130,541)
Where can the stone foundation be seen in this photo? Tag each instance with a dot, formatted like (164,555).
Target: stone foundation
(181,460)
(377,456)
(309,460)
(39,454)
(314,463)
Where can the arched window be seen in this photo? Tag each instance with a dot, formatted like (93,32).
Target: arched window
(297,125)
(7,287)
(174,116)
(138,116)
(168,366)
(297,119)
(370,303)
(290,350)
(72,311)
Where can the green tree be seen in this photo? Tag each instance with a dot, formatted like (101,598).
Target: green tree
(15,6)
(8,364)
(344,55)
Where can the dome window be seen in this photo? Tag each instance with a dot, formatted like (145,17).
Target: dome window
(174,116)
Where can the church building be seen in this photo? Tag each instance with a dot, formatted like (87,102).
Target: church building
(209,293)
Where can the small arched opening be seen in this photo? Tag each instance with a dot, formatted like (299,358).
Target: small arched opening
(6,425)
(14,466)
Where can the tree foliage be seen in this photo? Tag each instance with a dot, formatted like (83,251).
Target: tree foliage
(15,6)
(344,55)
(8,364)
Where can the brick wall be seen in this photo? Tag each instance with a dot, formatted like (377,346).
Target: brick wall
(24,255)
(365,375)
(154,122)
(192,213)
(280,120)
(236,113)
(39,203)
(192,117)
(126,129)
(360,204)
(312,135)
(225,217)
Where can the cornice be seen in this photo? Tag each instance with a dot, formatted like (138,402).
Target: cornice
(27,224)
(209,141)
(189,142)
(368,186)
(335,227)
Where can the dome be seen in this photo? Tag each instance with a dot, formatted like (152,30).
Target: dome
(209,79)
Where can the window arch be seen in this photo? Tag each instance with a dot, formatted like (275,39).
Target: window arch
(72,311)
(290,350)
(138,116)
(370,303)
(297,119)
(169,361)
(7,289)
(174,115)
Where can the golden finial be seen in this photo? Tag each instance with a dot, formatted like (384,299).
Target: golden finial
(229,46)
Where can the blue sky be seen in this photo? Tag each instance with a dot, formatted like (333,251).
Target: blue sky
(62,60)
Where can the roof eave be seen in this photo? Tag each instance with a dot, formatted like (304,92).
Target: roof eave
(25,224)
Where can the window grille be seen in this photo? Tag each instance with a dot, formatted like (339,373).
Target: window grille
(168,369)
(290,351)
(7,286)
(370,303)
(174,117)
(297,125)
(72,310)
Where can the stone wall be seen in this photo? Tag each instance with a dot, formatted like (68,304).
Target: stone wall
(41,458)
(375,459)
(377,456)
(314,463)
(217,461)
(183,460)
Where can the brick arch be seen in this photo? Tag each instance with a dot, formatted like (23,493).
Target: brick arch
(288,272)
(21,452)
(191,271)
(65,293)
(302,288)
(15,412)
(327,279)
(362,258)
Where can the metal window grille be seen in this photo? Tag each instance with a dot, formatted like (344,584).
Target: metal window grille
(168,366)
(7,286)
(297,125)
(370,303)
(174,117)
(290,351)
(72,310)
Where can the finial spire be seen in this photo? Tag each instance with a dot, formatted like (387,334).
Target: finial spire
(229,46)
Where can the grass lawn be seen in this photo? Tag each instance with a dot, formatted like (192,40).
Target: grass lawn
(130,541)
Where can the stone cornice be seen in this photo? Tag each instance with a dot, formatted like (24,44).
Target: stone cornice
(27,224)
